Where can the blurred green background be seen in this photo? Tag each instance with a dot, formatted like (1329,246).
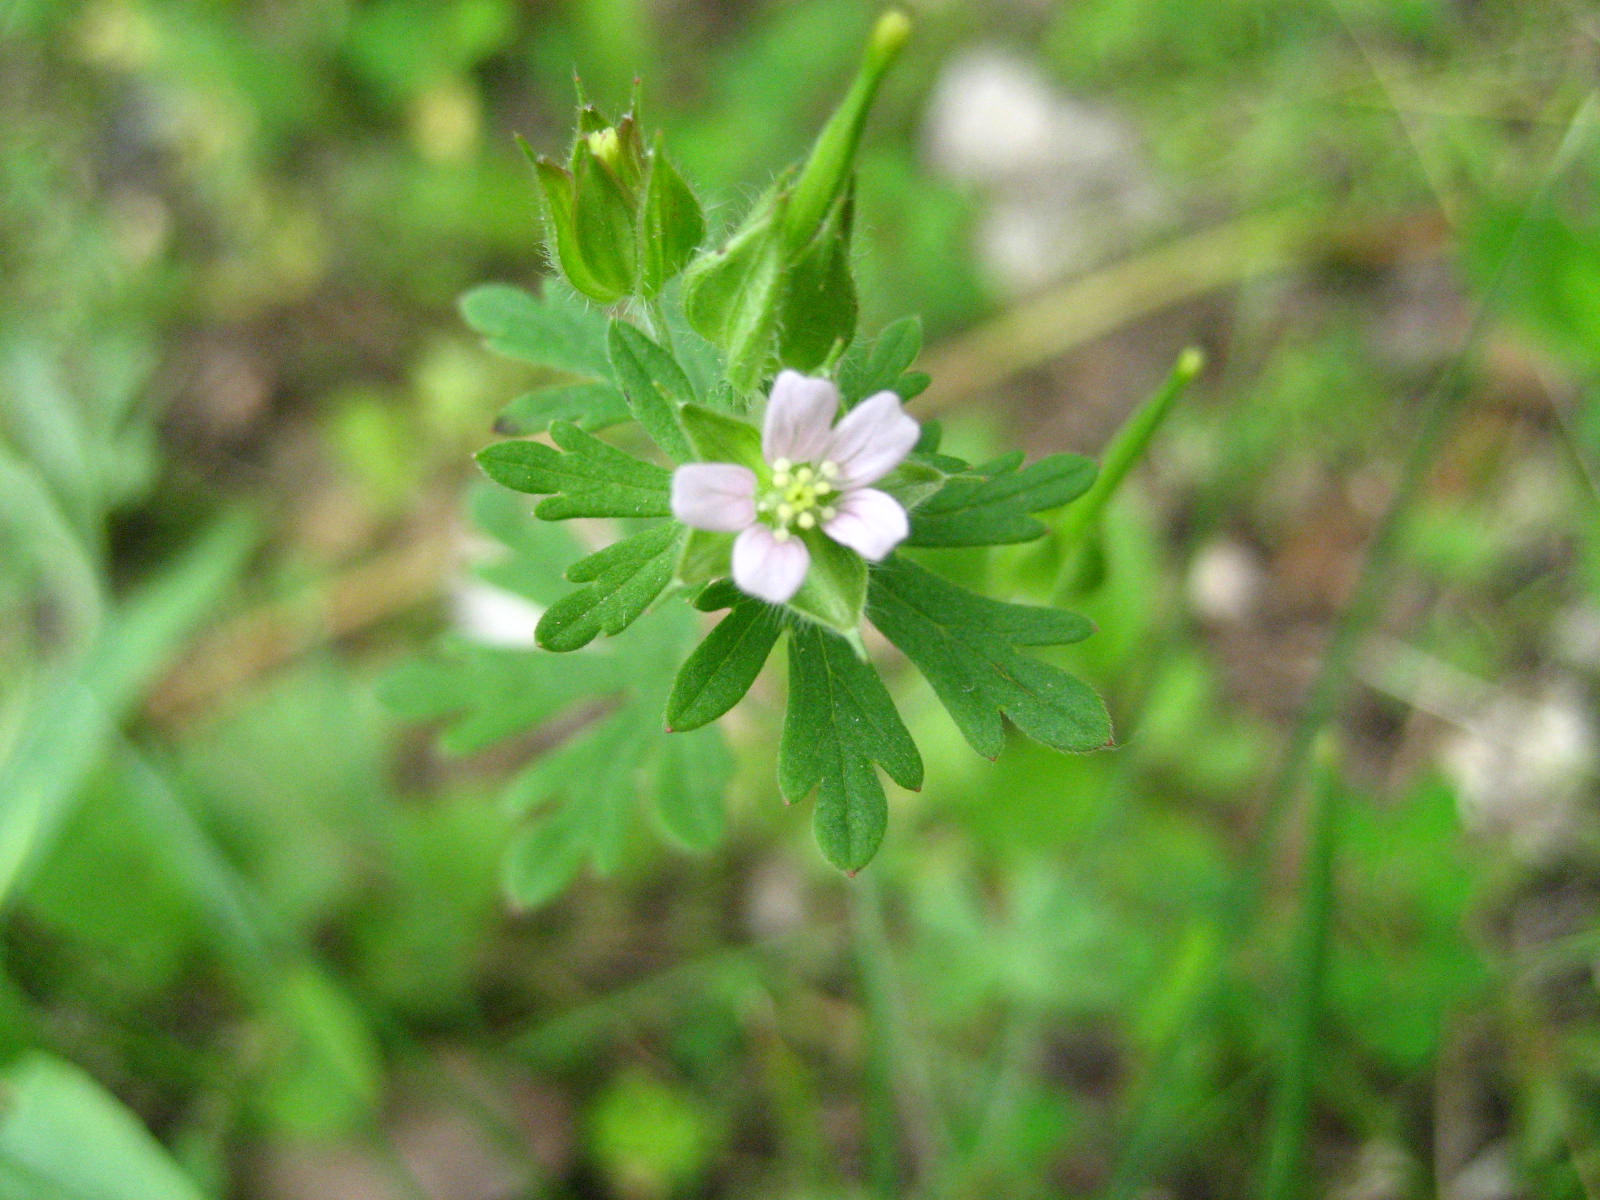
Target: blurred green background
(254,940)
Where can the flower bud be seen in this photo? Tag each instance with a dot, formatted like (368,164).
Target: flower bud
(826,173)
(622,219)
(780,288)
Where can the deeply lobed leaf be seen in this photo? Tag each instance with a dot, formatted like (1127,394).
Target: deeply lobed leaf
(995,510)
(583,478)
(882,364)
(840,721)
(623,580)
(724,666)
(964,643)
(653,385)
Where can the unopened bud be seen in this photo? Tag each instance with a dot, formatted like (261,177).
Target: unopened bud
(606,146)
(826,173)
(622,219)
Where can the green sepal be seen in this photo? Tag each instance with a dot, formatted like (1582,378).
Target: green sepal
(623,580)
(964,644)
(561,218)
(818,317)
(671,223)
(993,510)
(732,296)
(835,589)
(590,119)
(583,478)
(839,722)
(717,437)
(632,164)
(654,386)
(705,556)
(603,220)
(724,666)
(911,385)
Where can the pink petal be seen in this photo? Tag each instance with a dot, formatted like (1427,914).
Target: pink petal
(798,417)
(766,568)
(870,522)
(720,497)
(872,439)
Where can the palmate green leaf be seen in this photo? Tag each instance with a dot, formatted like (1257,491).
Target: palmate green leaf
(589,406)
(964,644)
(840,721)
(580,798)
(490,693)
(584,478)
(994,510)
(559,332)
(654,386)
(623,580)
(720,671)
(552,329)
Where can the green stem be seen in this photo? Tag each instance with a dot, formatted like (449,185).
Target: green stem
(1284,1176)
(889,1025)
(1079,520)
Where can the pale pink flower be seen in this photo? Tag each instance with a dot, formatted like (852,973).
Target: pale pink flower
(814,477)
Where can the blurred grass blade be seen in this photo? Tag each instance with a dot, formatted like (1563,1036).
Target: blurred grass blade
(1444,403)
(65,734)
(1284,1175)
(44,531)
(63,1135)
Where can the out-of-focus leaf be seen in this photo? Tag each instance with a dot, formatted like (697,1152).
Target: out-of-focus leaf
(552,329)
(64,735)
(64,1137)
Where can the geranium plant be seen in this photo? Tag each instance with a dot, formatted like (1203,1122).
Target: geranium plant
(775,471)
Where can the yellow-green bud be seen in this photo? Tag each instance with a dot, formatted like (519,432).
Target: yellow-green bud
(606,146)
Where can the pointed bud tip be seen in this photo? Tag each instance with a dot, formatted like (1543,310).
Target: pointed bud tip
(1190,362)
(889,35)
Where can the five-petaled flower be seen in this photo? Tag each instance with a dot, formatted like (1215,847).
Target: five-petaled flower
(814,478)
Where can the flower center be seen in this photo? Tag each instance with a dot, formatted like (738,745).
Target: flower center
(798,496)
